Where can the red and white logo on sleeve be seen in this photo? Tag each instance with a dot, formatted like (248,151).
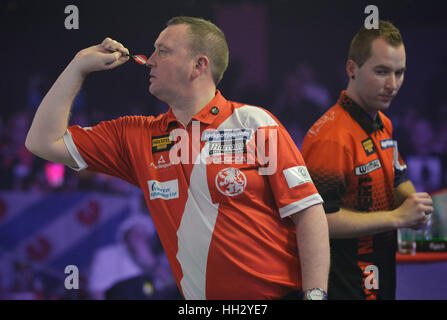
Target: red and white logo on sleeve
(231,181)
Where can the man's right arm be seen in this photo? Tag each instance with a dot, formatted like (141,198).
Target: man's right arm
(45,137)
(328,175)
(413,213)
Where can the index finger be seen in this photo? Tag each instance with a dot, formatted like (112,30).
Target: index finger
(119,46)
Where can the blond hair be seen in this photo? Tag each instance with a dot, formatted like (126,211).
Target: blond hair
(360,49)
(207,39)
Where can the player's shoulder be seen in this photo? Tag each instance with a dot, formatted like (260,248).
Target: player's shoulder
(387,124)
(334,124)
(136,121)
(253,116)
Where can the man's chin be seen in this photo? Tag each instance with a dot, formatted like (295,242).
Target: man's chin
(157,94)
(379,105)
(153,91)
(384,105)
(385,102)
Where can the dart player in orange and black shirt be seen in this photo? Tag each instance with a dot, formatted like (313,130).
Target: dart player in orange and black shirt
(357,169)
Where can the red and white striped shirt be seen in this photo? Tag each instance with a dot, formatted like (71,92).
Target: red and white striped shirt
(222,221)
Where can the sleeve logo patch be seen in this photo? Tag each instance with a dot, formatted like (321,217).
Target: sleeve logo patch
(296,176)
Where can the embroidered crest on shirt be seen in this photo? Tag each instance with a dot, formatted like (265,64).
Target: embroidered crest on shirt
(231,181)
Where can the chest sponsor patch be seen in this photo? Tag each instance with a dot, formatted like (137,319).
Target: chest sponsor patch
(387,143)
(231,181)
(161,143)
(367,168)
(368,146)
(165,190)
(227,134)
(227,147)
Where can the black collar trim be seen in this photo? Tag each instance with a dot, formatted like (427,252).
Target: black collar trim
(368,124)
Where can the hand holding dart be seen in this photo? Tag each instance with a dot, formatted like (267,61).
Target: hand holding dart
(140,59)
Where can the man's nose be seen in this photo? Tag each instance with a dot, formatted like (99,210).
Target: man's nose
(151,61)
(391,82)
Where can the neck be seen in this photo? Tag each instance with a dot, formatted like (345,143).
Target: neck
(187,108)
(352,94)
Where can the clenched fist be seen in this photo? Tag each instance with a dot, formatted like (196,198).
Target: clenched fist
(415,211)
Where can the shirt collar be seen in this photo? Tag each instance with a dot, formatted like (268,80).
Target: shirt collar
(214,108)
(368,124)
(208,113)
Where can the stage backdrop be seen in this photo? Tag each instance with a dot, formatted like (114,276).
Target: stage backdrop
(42,234)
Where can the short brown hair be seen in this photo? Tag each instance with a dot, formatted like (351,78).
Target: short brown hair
(207,39)
(360,49)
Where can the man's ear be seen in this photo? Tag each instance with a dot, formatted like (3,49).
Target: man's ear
(351,68)
(201,66)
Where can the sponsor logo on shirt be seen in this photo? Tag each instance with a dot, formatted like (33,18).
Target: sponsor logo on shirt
(367,168)
(368,146)
(161,163)
(233,147)
(227,159)
(184,149)
(165,190)
(231,181)
(387,143)
(161,143)
(228,134)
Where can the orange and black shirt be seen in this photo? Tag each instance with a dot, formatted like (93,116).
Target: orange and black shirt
(354,163)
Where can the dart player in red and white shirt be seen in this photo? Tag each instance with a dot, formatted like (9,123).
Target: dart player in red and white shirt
(227,188)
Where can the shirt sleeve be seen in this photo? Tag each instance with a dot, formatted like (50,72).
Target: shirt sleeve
(102,148)
(400,168)
(289,179)
(328,163)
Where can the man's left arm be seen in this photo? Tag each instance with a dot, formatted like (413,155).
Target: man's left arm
(313,246)
(297,197)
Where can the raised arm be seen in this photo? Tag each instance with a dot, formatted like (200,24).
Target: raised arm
(50,122)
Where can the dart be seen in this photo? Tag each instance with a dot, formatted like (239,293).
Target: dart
(139,58)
